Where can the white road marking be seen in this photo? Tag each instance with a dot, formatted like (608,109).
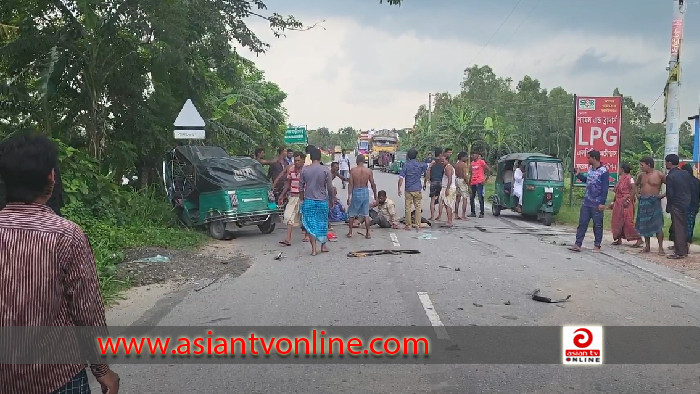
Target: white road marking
(433,316)
(394,239)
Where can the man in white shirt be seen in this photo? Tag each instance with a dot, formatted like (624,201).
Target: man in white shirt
(344,166)
(518,179)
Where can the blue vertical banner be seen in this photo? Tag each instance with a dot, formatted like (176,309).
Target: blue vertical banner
(696,140)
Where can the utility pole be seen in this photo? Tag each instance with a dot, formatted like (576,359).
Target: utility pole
(430,113)
(673,118)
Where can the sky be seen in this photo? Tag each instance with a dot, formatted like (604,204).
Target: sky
(369,65)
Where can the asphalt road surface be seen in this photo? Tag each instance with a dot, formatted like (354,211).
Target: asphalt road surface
(500,259)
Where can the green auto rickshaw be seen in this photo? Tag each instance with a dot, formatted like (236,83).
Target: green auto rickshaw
(399,160)
(209,188)
(543,186)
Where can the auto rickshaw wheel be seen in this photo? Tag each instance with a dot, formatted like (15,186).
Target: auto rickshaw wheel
(268,227)
(217,229)
(547,219)
(496,209)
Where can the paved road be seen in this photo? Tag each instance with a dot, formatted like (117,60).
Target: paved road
(502,261)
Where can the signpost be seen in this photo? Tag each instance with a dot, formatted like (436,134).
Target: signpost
(189,124)
(597,126)
(296,135)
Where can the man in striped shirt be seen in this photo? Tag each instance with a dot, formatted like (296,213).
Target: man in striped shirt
(48,275)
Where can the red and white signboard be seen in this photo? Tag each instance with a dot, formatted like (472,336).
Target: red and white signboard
(598,127)
(676,36)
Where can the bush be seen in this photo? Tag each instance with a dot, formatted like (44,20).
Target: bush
(116,218)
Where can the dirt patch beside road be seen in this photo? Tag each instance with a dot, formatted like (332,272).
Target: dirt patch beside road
(183,267)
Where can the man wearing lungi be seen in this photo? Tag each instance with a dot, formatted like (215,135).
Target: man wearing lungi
(292,186)
(650,215)
(316,193)
(358,195)
(678,190)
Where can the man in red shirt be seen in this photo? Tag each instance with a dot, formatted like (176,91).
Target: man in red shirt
(49,277)
(478,180)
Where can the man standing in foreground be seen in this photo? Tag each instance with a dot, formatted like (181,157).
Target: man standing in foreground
(597,182)
(358,194)
(50,279)
(411,174)
(461,172)
(315,194)
(650,215)
(478,180)
(678,190)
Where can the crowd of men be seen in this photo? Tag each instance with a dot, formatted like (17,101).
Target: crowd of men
(682,202)
(303,185)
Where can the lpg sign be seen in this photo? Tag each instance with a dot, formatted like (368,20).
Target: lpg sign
(597,127)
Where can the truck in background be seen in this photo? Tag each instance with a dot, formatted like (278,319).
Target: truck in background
(363,144)
(384,145)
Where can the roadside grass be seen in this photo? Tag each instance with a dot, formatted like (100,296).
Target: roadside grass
(142,220)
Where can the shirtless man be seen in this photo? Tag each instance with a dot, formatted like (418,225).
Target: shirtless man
(358,194)
(462,174)
(650,217)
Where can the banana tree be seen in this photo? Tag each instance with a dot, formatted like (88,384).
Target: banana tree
(461,126)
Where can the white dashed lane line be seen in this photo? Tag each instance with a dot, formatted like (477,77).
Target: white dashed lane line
(433,316)
(395,239)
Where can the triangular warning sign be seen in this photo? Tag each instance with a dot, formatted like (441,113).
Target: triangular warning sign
(189,116)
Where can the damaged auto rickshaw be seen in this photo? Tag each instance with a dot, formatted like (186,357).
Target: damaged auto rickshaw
(209,188)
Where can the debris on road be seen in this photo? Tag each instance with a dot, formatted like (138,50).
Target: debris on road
(507,302)
(279,256)
(155,259)
(425,236)
(537,297)
(477,305)
(377,252)
(676,306)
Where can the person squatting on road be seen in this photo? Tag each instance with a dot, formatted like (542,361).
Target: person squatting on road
(358,195)
(292,186)
(478,180)
(383,212)
(678,199)
(597,181)
(411,174)
(316,193)
(435,171)
(51,278)
(650,215)
(623,209)
(449,190)
(462,175)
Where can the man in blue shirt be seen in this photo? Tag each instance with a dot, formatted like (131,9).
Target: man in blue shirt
(411,173)
(597,182)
